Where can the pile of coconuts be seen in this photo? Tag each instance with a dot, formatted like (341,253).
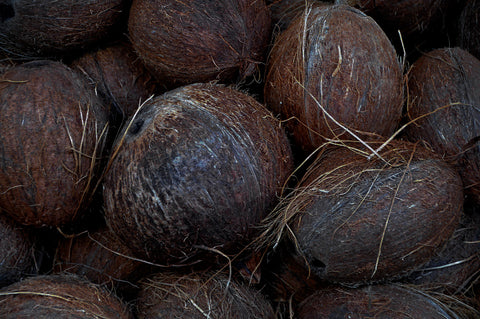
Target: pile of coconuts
(239,159)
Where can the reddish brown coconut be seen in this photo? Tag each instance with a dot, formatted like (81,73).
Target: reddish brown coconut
(469,28)
(17,256)
(382,301)
(357,220)
(49,28)
(59,296)
(50,143)
(197,168)
(198,41)
(332,68)
(444,91)
(200,295)
(118,76)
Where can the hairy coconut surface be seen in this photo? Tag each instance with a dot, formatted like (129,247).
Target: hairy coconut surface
(444,97)
(59,296)
(333,70)
(50,142)
(198,41)
(469,28)
(382,301)
(200,295)
(16,252)
(47,28)
(357,219)
(118,76)
(284,11)
(197,167)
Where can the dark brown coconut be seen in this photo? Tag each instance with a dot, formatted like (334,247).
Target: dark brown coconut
(197,167)
(357,220)
(16,252)
(445,84)
(118,76)
(284,11)
(50,28)
(334,59)
(59,296)
(469,28)
(200,295)
(200,40)
(50,143)
(382,301)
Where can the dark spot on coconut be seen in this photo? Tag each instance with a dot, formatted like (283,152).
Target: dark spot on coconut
(6,11)
(317,263)
(136,127)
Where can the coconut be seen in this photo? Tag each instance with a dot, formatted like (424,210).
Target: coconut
(443,86)
(51,142)
(284,11)
(118,75)
(195,170)
(49,28)
(200,40)
(16,252)
(332,71)
(59,296)
(469,28)
(381,301)
(200,295)
(357,218)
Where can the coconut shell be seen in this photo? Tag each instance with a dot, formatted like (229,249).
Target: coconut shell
(444,90)
(382,301)
(334,60)
(200,40)
(59,296)
(119,77)
(358,220)
(469,28)
(16,252)
(48,28)
(50,143)
(197,167)
(200,295)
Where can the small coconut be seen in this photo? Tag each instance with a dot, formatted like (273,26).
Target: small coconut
(469,28)
(358,219)
(200,40)
(332,71)
(59,296)
(200,295)
(49,28)
(195,170)
(444,91)
(51,140)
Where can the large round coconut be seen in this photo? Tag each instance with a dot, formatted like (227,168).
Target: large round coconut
(357,219)
(50,142)
(469,28)
(198,41)
(333,70)
(197,167)
(200,295)
(59,296)
(47,28)
(444,91)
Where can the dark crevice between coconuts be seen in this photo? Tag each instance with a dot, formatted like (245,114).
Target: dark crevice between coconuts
(6,11)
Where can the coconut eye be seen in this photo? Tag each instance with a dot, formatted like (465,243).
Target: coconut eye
(136,127)
(6,12)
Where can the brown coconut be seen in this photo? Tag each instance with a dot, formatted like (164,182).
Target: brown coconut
(51,142)
(118,75)
(48,28)
(200,40)
(469,28)
(444,91)
(381,301)
(60,296)
(356,219)
(284,11)
(197,167)
(17,255)
(200,295)
(333,70)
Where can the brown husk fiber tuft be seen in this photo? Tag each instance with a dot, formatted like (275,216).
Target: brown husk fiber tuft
(200,295)
(469,28)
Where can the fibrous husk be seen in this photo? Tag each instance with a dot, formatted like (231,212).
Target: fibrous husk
(200,295)
(200,40)
(52,136)
(469,28)
(52,28)
(59,296)
(444,101)
(195,170)
(284,11)
(331,72)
